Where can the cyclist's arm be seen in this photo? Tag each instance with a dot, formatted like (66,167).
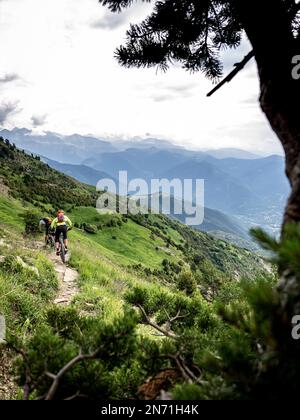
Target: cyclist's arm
(53,224)
(69,223)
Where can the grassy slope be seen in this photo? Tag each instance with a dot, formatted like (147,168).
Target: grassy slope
(34,182)
(10,213)
(129,243)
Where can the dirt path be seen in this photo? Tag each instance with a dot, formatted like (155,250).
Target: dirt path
(67,276)
(67,281)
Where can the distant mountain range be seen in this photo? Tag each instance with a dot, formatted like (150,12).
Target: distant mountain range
(82,173)
(220,225)
(231,153)
(241,189)
(65,149)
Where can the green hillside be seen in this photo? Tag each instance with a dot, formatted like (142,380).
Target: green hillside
(122,262)
(29,179)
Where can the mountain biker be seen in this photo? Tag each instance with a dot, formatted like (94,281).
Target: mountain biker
(61,224)
(45,224)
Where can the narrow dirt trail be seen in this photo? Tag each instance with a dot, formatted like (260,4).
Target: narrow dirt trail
(67,281)
(67,276)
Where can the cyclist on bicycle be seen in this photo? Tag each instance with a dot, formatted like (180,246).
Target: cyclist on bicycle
(45,224)
(61,224)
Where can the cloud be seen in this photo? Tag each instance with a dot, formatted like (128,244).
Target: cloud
(110,21)
(9,77)
(38,120)
(162,98)
(7,109)
(171,92)
(183,90)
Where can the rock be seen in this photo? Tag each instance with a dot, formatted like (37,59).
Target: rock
(27,267)
(207,293)
(89,305)
(90,229)
(62,300)
(2,259)
(3,243)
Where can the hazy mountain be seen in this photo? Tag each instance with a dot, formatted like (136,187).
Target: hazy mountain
(65,149)
(112,163)
(225,227)
(218,224)
(82,173)
(231,153)
(214,220)
(236,186)
(140,163)
(222,191)
(145,143)
(264,177)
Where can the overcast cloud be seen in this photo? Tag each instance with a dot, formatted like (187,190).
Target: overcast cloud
(110,21)
(9,77)
(64,50)
(6,110)
(38,120)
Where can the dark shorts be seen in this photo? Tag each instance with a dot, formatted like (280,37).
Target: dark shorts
(61,230)
(48,230)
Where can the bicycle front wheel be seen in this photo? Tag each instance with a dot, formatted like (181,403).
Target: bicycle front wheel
(62,251)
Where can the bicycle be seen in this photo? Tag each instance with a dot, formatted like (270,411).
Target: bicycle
(62,248)
(50,241)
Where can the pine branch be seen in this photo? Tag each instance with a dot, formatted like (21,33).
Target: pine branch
(57,378)
(157,327)
(185,371)
(238,68)
(175,318)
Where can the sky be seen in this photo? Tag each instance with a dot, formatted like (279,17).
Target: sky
(58,73)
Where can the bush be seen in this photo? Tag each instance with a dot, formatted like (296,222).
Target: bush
(90,228)
(197,259)
(186,282)
(32,219)
(115,347)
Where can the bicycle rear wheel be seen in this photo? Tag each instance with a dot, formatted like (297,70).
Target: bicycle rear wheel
(62,251)
(51,241)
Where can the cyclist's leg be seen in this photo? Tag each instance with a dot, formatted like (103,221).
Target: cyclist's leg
(52,237)
(57,233)
(46,234)
(65,234)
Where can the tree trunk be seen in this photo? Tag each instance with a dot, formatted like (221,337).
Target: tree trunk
(286,125)
(269,30)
